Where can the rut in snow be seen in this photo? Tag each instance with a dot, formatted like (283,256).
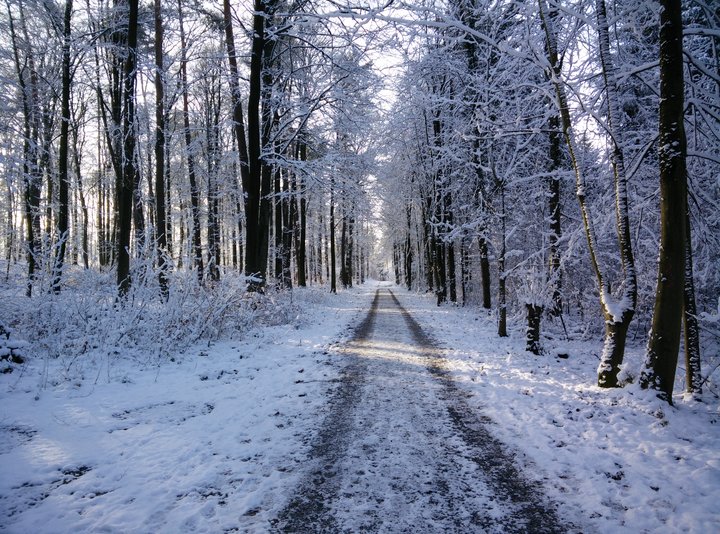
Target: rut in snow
(400,450)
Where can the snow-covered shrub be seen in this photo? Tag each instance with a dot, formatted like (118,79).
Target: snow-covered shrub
(87,326)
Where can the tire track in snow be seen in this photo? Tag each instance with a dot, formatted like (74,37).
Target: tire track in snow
(308,507)
(400,450)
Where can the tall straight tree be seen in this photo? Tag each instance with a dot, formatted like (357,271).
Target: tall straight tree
(32,176)
(192,178)
(300,212)
(239,126)
(126,184)
(257,223)
(63,156)
(160,212)
(256,179)
(664,342)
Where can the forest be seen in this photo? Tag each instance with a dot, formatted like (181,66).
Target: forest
(172,171)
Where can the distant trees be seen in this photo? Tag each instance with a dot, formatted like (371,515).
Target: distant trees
(158,139)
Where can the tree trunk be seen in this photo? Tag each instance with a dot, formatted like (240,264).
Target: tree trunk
(502,275)
(259,183)
(350,251)
(613,349)
(343,251)
(160,213)
(84,239)
(63,156)
(662,353)
(278,228)
(300,259)
(287,233)
(611,360)
(465,275)
(31,176)
(693,379)
(532,334)
(408,249)
(333,279)
(129,174)
(485,272)
(428,245)
(248,193)
(196,247)
(554,274)
(213,110)
(621,312)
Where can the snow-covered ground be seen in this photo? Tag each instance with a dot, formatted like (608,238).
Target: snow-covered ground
(217,440)
(208,443)
(630,462)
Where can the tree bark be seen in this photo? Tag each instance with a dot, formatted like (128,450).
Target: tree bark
(63,155)
(610,362)
(408,248)
(333,278)
(287,233)
(31,176)
(278,227)
(485,272)
(300,259)
(502,275)
(532,333)
(196,248)
(617,315)
(126,190)
(450,249)
(555,274)
(693,379)
(258,182)
(663,345)
(248,193)
(160,212)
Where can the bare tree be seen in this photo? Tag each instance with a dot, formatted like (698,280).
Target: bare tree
(160,150)
(664,341)
(617,312)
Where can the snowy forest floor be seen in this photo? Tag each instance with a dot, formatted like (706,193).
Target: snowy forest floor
(237,435)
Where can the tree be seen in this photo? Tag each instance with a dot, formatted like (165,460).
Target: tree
(664,340)
(128,179)
(617,311)
(160,150)
(63,157)
(28,81)
(189,155)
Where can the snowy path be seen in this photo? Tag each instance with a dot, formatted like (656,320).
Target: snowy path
(400,451)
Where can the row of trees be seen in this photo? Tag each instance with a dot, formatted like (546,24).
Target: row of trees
(151,137)
(515,107)
(519,164)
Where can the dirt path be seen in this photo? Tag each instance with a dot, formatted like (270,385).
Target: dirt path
(400,451)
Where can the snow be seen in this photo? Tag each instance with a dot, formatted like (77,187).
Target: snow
(624,460)
(208,443)
(218,440)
